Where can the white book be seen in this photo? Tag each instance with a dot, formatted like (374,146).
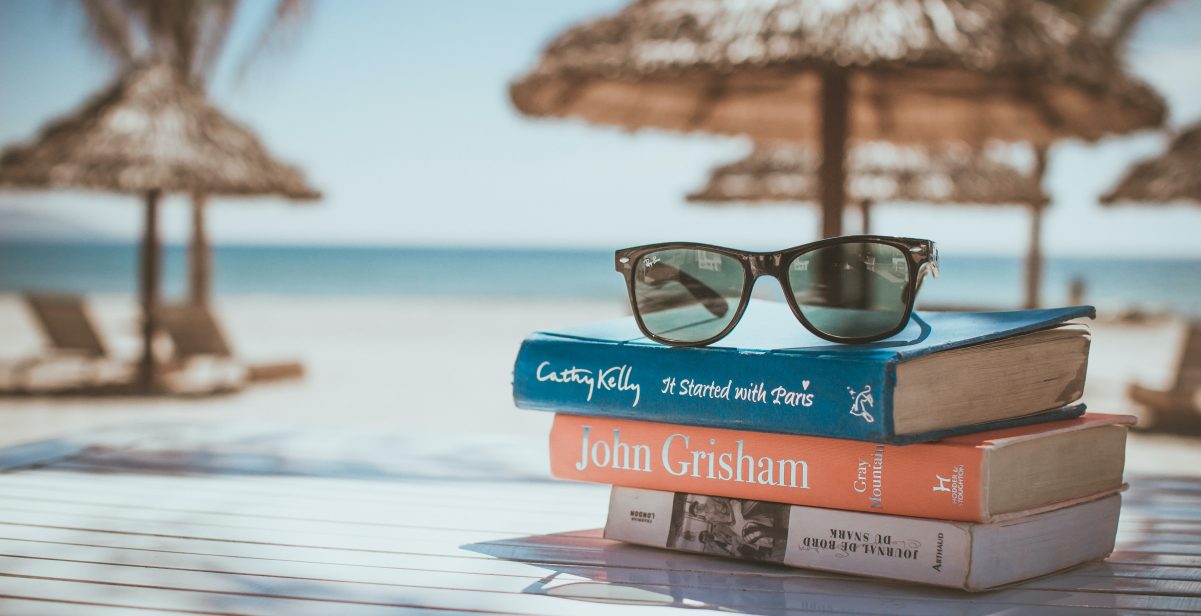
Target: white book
(943,553)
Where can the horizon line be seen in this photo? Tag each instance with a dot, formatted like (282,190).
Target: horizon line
(367,246)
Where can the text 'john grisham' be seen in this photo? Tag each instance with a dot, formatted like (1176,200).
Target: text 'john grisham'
(679,455)
(620,379)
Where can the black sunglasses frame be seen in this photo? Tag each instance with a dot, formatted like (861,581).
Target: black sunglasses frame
(922,259)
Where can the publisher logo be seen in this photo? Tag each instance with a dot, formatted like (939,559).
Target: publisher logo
(642,517)
(951,483)
(861,401)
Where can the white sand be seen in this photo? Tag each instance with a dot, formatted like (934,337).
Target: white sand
(393,364)
(440,365)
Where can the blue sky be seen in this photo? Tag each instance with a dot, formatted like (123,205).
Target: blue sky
(398,111)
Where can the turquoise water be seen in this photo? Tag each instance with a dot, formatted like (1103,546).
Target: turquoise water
(1172,284)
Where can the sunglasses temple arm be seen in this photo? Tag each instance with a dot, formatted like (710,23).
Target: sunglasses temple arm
(924,328)
(930,268)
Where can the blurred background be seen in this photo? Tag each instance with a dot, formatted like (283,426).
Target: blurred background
(362,207)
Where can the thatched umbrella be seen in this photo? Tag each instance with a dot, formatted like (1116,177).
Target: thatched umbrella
(150,133)
(879,172)
(907,71)
(1171,176)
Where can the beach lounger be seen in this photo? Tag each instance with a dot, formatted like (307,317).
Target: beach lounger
(68,327)
(71,340)
(196,335)
(1176,409)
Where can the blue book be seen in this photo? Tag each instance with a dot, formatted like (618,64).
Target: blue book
(946,373)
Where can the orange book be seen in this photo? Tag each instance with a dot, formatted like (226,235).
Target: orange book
(975,478)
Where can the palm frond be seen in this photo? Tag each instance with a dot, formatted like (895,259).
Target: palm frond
(287,18)
(108,26)
(214,30)
(1118,24)
(189,35)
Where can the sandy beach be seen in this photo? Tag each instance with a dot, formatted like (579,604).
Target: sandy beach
(438,365)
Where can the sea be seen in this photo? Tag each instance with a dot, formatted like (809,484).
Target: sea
(1112,284)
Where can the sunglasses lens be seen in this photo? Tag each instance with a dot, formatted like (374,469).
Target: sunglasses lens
(687,294)
(855,290)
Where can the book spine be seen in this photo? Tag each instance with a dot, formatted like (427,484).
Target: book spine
(933,480)
(908,549)
(721,388)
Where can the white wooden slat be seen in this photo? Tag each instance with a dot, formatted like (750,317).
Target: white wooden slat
(396,458)
(792,594)
(491,594)
(378,492)
(1161,547)
(209,602)
(185,494)
(470,563)
(1111,568)
(1137,519)
(1165,483)
(1151,509)
(404,540)
(36,606)
(395,522)
(1143,532)
(1166,560)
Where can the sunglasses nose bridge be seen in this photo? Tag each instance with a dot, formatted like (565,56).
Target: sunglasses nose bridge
(762,265)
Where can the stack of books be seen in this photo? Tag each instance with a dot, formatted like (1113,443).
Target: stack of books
(952,454)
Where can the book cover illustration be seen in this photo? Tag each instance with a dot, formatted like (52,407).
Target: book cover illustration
(747,529)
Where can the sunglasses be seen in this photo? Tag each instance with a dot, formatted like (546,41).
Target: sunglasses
(853,289)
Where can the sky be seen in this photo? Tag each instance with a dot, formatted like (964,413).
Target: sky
(399,114)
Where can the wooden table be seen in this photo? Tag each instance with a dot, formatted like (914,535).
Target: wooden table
(262,520)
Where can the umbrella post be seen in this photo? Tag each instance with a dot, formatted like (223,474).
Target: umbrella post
(1034,256)
(149,287)
(200,254)
(865,208)
(835,129)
